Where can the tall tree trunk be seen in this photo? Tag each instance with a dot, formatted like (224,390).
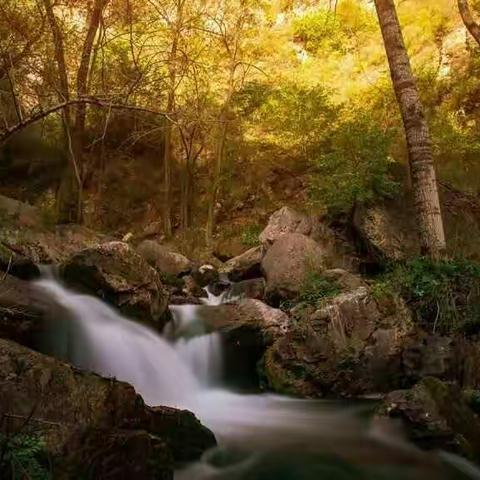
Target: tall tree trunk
(217,174)
(69,195)
(424,183)
(472,26)
(167,152)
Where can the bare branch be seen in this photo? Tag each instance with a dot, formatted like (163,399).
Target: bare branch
(8,132)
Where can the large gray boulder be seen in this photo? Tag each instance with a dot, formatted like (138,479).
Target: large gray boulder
(248,314)
(244,266)
(115,272)
(164,260)
(286,221)
(387,233)
(90,424)
(288,262)
(347,345)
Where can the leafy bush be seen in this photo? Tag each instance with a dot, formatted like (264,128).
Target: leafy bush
(355,167)
(341,30)
(21,457)
(250,236)
(444,295)
(320,29)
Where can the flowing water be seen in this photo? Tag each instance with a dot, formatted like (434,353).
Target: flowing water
(260,436)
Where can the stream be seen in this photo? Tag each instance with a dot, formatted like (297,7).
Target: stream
(260,436)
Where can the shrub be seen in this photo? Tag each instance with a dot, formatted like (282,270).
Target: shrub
(21,457)
(355,166)
(444,295)
(250,236)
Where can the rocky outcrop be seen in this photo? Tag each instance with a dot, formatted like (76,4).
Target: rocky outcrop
(164,260)
(288,262)
(245,266)
(286,220)
(86,421)
(386,233)
(115,272)
(349,345)
(435,416)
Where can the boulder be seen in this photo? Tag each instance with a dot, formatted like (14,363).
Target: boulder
(86,421)
(254,315)
(348,345)
(205,275)
(22,311)
(288,262)
(435,416)
(387,233)
(245,266)
(17,264)
(115,272)
(164,260)
(254,288)
(286,221)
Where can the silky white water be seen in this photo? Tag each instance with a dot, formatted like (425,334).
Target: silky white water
(187,373)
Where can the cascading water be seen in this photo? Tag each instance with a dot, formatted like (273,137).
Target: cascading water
(260,436)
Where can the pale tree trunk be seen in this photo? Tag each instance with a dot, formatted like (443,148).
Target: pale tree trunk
(424,183)
(472,26)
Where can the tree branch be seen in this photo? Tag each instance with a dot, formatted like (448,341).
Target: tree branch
(9,131)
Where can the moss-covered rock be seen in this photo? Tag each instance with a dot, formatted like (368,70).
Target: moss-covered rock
(115,272)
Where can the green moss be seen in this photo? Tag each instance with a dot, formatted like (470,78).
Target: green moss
(314,291)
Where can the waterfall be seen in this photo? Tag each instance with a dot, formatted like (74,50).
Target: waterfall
(269,430)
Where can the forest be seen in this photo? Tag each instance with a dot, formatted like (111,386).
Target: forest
(239,239)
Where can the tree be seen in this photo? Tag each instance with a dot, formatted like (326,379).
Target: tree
(472,26)
(69,196)
(232,25)
(422,171)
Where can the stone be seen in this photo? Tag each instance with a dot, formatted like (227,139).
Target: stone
(284,221)
(17,264)
(22,311)
(85,421)
(288,262)
(436,416)
(254,288)
(116,273)
(270,323)
(386,233)
(164,260)
(244,266)
(205,275)
(349,345)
